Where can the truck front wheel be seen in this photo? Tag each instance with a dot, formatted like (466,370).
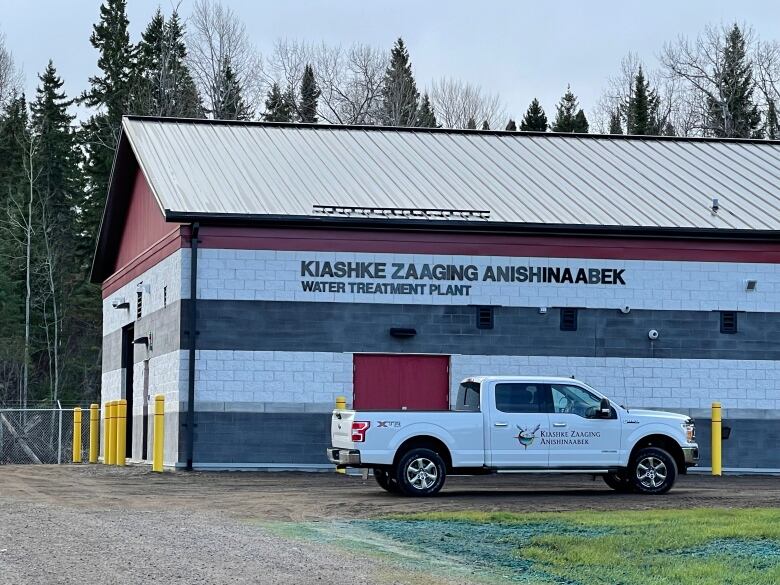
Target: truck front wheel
(653,471)
(420,472)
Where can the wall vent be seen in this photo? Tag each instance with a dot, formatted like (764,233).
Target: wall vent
(484,317)
(568,319)
(728,321)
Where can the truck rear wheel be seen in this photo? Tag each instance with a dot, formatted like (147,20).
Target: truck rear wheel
(653,471)
(420,472)
(386,481)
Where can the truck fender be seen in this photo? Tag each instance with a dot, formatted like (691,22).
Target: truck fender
(645,431)
(419,430)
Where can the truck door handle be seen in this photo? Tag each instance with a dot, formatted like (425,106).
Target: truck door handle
(500,424)
(559,424)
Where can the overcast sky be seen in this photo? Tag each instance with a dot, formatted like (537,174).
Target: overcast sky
(518,49)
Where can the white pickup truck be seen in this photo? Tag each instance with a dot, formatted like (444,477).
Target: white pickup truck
(515,424)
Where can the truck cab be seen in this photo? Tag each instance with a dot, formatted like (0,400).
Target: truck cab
(517,424)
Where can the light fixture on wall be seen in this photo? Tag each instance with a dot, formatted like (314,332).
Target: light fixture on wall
(120,303)
(144,340)
(750,285)
(403,332)
(542,310)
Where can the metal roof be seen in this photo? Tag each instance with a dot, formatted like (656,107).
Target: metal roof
(256,170)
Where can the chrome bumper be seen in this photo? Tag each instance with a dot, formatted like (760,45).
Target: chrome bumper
(691,455)
(343,456)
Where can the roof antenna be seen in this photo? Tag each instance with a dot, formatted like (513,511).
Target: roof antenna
(715,205)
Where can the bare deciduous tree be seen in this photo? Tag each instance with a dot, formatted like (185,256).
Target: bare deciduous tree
(456,102)
(217,36)
(701,69)
(10,75)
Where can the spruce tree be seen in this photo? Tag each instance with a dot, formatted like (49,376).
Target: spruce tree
(426,118)
(535,119)
(615,126)
(511,126)
(400,98)
(230,100)
(772,124)
(485,125)
(471,124)
(566,114)
(277,105)
(310,93)
(733,113)
(580,123)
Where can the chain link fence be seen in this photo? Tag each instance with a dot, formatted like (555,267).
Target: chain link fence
(40,435)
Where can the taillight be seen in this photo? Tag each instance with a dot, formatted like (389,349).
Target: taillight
(359,429)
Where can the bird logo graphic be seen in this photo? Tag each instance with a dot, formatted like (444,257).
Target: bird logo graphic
(525,436)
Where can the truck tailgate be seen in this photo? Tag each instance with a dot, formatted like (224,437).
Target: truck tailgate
(341,428)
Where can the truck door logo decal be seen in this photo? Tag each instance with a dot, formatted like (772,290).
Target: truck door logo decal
(526,437)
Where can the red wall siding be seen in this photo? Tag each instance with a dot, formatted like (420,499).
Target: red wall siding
(144,225)
(393,382)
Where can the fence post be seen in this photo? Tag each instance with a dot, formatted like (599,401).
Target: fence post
(121,433)
(94,432)
(59,434)
(159,433)
(77,435)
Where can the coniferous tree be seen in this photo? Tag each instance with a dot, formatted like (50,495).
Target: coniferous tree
(230,103)
(485,125)
(669,129)
(733,113)
(772,124)
(615,126)
(310,93)
(278,107)
(400,98)
(641,111)
(566,111)
(580,122)
(534,119)
(471,124)
(511,126)
(426,118)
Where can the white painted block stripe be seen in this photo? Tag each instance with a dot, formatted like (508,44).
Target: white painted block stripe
(662,285)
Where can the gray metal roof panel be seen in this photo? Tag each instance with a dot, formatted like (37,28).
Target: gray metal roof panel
(284,170)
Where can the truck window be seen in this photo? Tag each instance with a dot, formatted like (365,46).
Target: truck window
(468,397)
(517,397)
(575,400)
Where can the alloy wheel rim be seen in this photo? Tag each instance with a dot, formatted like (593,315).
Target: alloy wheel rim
(421,473)
(651,472)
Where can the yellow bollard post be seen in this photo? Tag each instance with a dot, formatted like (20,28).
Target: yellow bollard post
(112,432)
(159,433)
(94,432)
(77,435)
(121,432)
(341,404)
(106,430)
(716,439)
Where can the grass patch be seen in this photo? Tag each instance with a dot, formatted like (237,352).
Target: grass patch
(677,547)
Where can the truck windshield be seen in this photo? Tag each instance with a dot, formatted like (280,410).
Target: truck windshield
(468,397)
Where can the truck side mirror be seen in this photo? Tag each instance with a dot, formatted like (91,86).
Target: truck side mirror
(605,409)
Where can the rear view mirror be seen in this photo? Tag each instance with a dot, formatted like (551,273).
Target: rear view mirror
(605,409)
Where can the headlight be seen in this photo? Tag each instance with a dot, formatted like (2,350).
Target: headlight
(690,431)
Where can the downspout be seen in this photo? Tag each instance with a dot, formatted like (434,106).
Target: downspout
(193,322)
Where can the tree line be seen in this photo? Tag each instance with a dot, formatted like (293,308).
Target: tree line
(54,169)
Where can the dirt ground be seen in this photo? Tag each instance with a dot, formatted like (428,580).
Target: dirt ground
(70,525)
(321,496)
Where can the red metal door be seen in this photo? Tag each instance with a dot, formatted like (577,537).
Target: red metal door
(394,382)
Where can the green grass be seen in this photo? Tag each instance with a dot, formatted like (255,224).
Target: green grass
(678,547)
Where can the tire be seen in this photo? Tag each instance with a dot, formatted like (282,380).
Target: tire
(386,481)
(653,471)
(420,472)
(620,481)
